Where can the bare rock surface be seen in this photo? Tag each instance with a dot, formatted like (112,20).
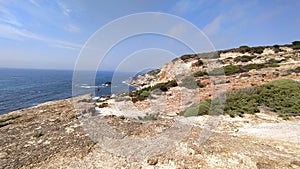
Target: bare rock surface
(66,142)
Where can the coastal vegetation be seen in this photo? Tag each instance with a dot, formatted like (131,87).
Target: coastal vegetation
(149,117)
(154,72)
(190,82)
(200,74)
(246,49)
(244,58)
(142,94)
(279,96)
(38,135)
(296,45)
(234,69)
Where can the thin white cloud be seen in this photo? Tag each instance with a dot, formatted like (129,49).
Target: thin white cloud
(10,32)
(213,27)
(178,30)
(184,6)
(65,10)
(8,18)
(34,3)
(72,28)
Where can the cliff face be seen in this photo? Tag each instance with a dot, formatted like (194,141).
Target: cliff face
(144,129)
(285,56)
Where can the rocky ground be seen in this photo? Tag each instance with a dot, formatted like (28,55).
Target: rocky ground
(119,133)
(255,141)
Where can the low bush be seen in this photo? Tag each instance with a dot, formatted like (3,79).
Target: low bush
(149,117)
(198,63)
(187,57)
(164,86)
(189,82)
(231,69)
(207,55)
(258,50)
(154,72)
(296,45)
(244,58)
(245,49)
(227,70)
(38,135)
(276,48)
(201,108)
(280,96)
(142,94)
(200,73)
(254,66)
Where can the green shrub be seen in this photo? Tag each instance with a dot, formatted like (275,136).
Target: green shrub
(244,58)
(187,57)
(154,72)
(142,94)
(243,49)
(259,66)
(276,48)
(189,82)
(200,73)
(258,50)
(38,135)
(227,70)
(216,72)
(164,86)
(145,93)
(190,111)
(149,117)
(231,69)
(198,63)
(254,66)
(201,108)
(274,61)
(296,45)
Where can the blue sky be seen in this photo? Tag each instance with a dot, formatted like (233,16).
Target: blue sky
(49,34)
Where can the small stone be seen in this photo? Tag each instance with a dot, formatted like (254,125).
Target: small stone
(152,161)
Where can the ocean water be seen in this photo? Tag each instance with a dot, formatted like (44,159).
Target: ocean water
(22,88)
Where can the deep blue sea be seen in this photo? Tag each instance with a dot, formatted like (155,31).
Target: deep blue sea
(22,88)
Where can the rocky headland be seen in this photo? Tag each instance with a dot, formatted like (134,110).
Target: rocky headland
(236,108)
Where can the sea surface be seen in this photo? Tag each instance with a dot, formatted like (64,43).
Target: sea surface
(22,88)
